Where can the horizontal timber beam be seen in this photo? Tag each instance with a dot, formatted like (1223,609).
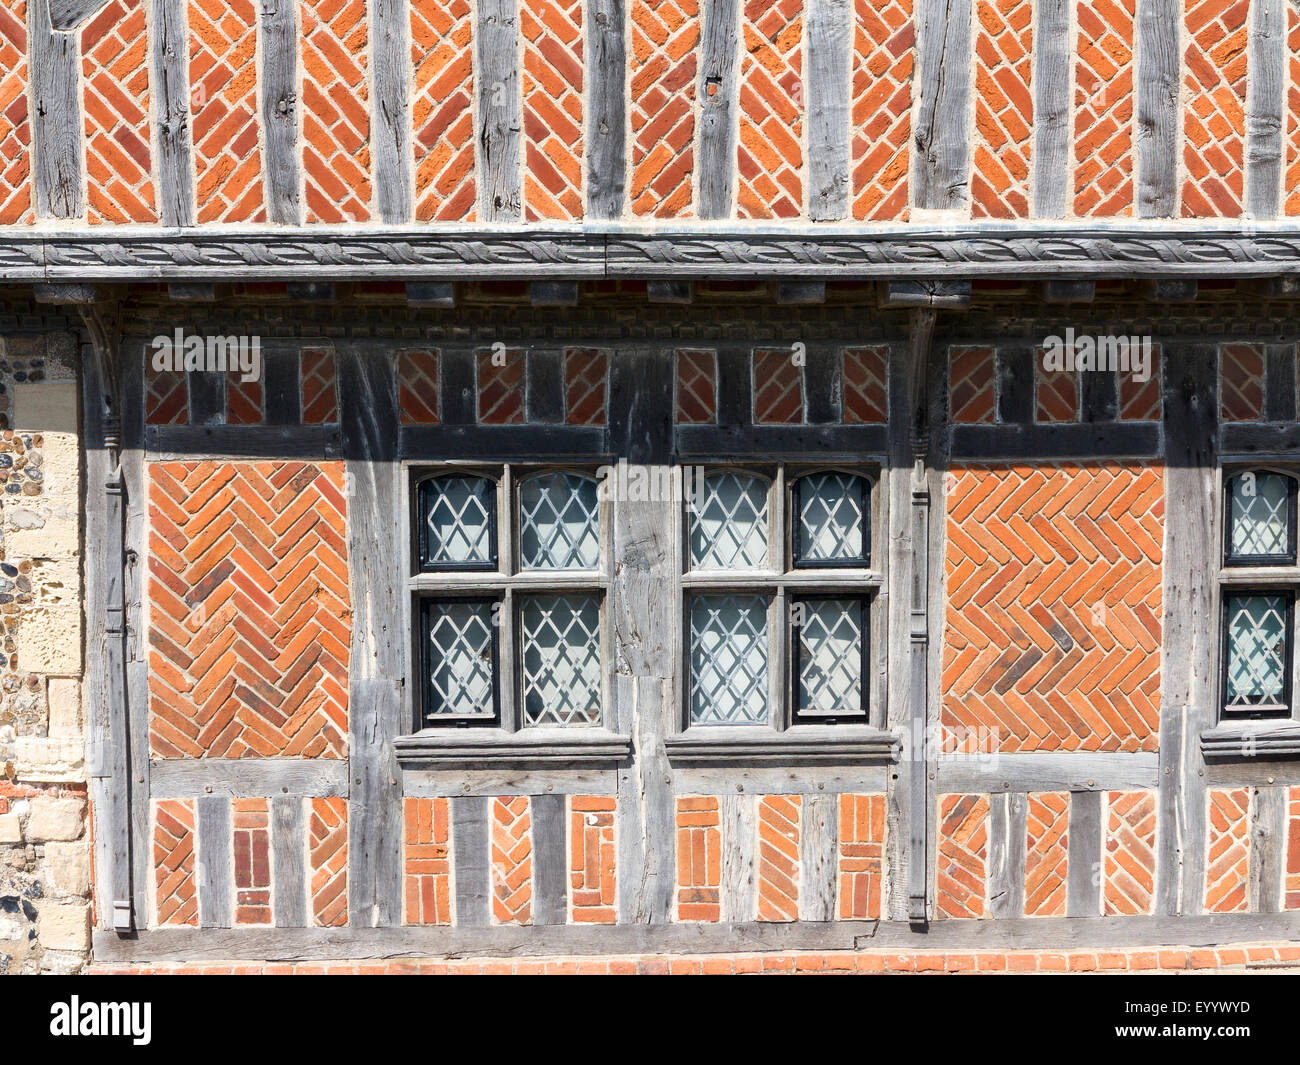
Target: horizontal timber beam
(577,252)
(1027,933)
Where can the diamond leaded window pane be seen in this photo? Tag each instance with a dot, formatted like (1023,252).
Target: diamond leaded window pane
(461,659)
(1260,523)
(459,523)
(728,522)
(832,638)
(1258,651)
(559,522)
(729,660)
(561,659)
(832,520)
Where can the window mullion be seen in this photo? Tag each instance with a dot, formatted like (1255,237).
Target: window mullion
(508,678)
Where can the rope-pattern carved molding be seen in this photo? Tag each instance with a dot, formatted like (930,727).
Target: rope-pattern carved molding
(580,252)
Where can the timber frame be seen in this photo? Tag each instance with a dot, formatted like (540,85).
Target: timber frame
(641,760)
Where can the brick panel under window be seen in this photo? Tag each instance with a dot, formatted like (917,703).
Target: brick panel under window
(252,846)
(699,858)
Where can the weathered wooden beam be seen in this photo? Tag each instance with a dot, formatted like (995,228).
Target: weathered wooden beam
(67,15)
(186,778)
(193,292)
(646,634)
(390,47)
(1265,106)
(670,291)
(311,291)
(554,293)
(1056,291)
(1051,84)
(431,293)
(169,55)
(926,294)
(289,858)
(1169,290)
(829,34)
(496,42)
(607,109)
(65,294)
(801,292)
(167,946)
(1268,846)
(920,797)
(469,842)
(56,138)
(368,394)
(550,853)
(1187,685)
(923,253)
(941,141)
(717,95)
(1006,868)
(1158,67)
(1049,772)
(214,858)
(278,39)
(1083,884)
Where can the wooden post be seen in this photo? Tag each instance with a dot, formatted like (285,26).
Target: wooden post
(390,49)
(278,33)
(607,102)
(106,606)
(1187,686)
(916,746)
(172,112)
(497,56)
(368,394)
(57,134)
(719,58)
(941,141)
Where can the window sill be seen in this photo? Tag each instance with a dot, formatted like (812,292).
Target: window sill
(799,745)
(1242,741)
(470,748)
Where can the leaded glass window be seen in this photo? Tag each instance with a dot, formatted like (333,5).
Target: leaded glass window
(830,666)
(729,660)
(559,522)
(561,659)
(1261,520)
(457,523)
(1258,659)
(728,525)
(830,520)
(459,654)
(769,641)
(509,638)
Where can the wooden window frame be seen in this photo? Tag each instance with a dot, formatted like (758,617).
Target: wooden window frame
(507,584)
(1244,576)
(782,583)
